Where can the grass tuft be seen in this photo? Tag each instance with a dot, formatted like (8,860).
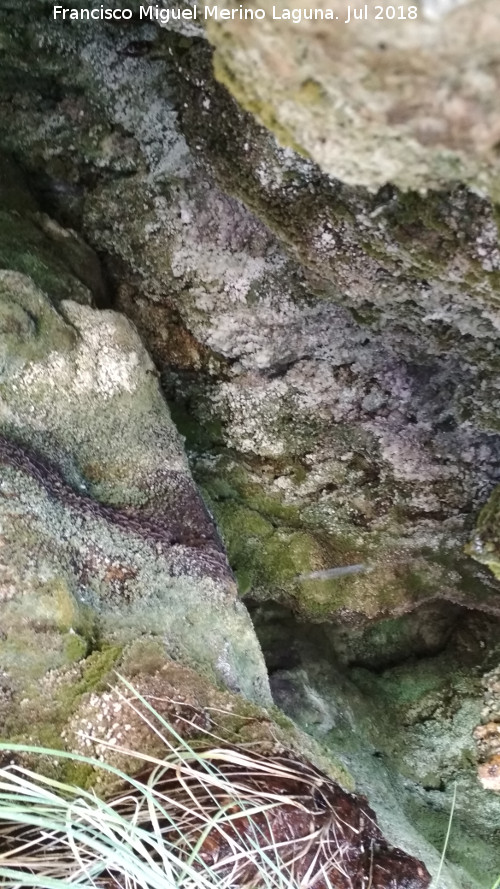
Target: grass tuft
(209,817)
(435,882)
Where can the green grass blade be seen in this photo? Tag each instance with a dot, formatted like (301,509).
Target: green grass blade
(435,882)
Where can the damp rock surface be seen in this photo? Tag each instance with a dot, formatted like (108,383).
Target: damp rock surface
(326,330)
(329,351)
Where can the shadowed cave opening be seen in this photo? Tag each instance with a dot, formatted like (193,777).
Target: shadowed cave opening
(395,698)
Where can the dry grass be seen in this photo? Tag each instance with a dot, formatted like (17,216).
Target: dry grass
(216,817)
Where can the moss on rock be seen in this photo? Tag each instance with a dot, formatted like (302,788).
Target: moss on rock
(485,546)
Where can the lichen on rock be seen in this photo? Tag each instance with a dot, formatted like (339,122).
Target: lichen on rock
(323,317)
(105,538)
(368,100)
(487,733)
(485,545)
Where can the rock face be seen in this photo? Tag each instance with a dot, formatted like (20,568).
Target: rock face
(328,347)
(105,538)
(485,545)
(118,525)
(394,95)
(487,734)
(32,243)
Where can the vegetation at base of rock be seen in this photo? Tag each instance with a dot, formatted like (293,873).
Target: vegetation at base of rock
(200,815)
(256,279)
(42,718)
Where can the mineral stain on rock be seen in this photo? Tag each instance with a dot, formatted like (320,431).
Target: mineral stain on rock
(325,323)
(187,525)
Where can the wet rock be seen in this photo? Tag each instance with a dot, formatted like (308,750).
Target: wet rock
(339,343)
(416,722)
(110,720)
(328,348)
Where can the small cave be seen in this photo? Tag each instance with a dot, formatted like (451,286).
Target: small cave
(472,636)
(410,704)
